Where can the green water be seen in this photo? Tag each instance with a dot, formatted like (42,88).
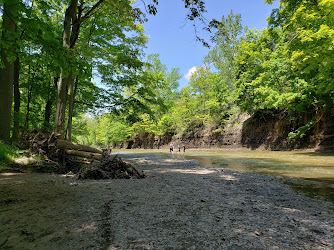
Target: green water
(310,173)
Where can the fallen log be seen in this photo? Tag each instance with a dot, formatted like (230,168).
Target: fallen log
(86,162)
(137,170)
(84,154)
(62,144)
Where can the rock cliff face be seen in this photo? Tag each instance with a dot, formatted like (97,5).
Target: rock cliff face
(261,131)
(325,130)
(146,141)
(270,131)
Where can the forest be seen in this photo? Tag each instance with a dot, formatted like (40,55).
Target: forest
(76,84)
(79,68)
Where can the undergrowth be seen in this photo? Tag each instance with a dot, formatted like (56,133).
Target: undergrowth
(7,154)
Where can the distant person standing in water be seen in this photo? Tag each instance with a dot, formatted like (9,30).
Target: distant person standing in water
(179,148)
(171,148)
(184,148)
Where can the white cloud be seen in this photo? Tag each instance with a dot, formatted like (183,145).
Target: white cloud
(191,71)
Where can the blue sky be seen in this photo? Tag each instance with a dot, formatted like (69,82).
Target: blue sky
(173,37)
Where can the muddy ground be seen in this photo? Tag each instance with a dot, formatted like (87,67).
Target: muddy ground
(179,205)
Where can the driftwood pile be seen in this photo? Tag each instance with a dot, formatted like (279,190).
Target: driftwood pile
(43,143)
(111,167)
(62,156)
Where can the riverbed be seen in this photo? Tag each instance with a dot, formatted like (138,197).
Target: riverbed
(181,204)
(308,172)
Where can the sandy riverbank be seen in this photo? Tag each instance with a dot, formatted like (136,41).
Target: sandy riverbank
(179,205)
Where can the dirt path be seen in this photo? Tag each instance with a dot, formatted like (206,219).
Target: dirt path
(180,205)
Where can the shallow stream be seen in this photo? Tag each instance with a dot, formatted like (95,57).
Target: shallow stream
(311,173)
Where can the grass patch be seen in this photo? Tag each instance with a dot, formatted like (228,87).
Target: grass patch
(7,155)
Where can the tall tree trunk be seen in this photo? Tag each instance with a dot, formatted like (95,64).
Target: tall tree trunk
(73,90)
(26,123)
(87,140)
(65,79)
(49,102)
(47,113)
(63,84)
(72,22)
(17,100)
(7,68)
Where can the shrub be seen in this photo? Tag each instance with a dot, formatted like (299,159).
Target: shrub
(6,152)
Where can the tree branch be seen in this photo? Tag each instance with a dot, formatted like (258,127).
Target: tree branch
(95,105)
(90,12)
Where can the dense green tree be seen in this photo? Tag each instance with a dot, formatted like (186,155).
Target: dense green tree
(223,53)
(199,103)
(265,79)
(157,93)
(308,26)
(142,105)
(34,34)
(223,59)
(8,54)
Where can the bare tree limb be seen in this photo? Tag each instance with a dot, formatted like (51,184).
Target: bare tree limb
(90,12)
